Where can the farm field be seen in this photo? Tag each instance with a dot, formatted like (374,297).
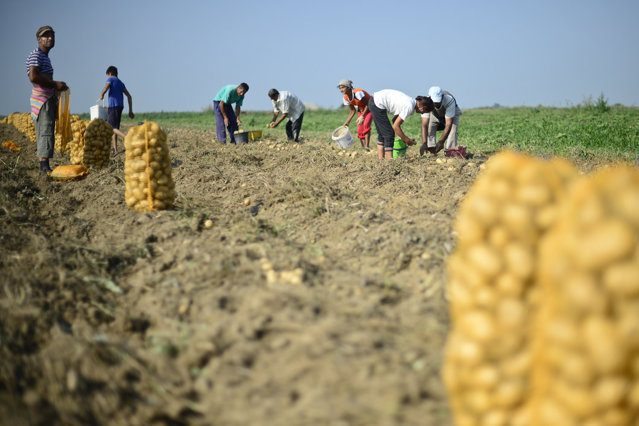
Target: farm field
(292,284)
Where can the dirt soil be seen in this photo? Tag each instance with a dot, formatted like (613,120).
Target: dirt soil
(109,316)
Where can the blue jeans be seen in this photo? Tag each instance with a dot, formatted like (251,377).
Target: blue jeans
(219,122)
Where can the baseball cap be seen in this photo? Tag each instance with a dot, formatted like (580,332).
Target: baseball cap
(43,30)
(435,93)
(346,83)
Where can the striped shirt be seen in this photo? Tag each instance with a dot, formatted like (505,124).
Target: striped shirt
(39,59)
(39,95)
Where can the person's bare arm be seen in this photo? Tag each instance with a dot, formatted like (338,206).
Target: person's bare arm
(397,126)
(130,99)
(45,80)
(446,132)
(238,110)
(350,116)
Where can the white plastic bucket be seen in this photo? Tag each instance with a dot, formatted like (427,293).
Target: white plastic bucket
(343,137)
(99,111)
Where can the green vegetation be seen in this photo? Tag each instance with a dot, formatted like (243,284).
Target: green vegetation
(591,129)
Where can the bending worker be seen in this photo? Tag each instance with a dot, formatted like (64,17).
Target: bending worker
(442,113)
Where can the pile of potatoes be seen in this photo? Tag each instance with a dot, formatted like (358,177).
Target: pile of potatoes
(93,147)
(147,169)
(23,122)
(518,352)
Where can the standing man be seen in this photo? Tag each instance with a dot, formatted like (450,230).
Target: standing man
(400,106)
(442,113)
(357,98)
(289,106)
(225,118)
(44,98)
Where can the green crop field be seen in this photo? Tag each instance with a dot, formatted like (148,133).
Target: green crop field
(597,131)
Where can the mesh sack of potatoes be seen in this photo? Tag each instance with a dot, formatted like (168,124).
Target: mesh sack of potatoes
(24,123)
(96,149)
(147,169)
(587,351)
(76,146)
(63,132)
(493,287)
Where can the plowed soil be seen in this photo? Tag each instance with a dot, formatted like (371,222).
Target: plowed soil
(109,316)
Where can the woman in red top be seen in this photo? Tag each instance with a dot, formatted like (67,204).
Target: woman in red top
(358,98)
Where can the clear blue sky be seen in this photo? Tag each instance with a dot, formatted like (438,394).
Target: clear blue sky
(176,55)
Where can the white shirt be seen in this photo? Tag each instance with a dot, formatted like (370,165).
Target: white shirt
(395,102)
(288,103)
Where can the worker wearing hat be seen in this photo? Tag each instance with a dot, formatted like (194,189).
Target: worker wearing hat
(44,99)
(354,97)
(442,113)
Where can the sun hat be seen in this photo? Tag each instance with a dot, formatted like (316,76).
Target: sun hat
(43,30)
(435,93)
(346,83)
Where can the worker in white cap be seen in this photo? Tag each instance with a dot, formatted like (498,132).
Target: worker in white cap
(442,113)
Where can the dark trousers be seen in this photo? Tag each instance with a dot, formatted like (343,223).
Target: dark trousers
(385,132)
(219,122)
(293,128)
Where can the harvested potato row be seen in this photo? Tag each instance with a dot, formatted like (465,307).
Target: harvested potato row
(587,351)
(62,144)
(147,169)
(96,150)
(24,123)
(493,286)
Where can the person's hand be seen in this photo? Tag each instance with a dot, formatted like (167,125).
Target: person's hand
(274,124)
(410,142)
(61,86)
(131,115)
(239,123)
(423,148)
(346,124)
(226,122)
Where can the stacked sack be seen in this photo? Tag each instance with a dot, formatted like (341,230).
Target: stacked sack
(94,149)
(147,169)
(23,122)
(544,297)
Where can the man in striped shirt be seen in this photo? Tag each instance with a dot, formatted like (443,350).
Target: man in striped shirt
(44,100)
(442,113)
